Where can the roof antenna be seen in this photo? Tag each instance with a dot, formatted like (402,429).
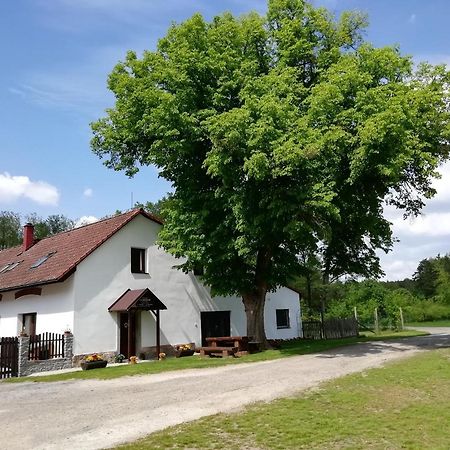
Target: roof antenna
(131,200)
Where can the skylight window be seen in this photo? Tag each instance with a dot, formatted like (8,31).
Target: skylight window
(42,260)
(12,266)
(9,267)
(3,269)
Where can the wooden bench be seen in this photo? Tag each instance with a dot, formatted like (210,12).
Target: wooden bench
(218,351)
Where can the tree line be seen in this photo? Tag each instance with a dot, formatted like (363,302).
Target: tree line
(11,226)
(11,223)
(423,297)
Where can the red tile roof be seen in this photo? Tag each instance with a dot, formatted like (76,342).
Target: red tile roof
(70,248)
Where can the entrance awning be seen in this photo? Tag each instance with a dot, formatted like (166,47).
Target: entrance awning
(137,299)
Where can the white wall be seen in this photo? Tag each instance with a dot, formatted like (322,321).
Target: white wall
(283,298)
(106,274)
(101,279)
(54,308)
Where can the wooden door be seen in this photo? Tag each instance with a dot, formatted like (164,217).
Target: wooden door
(127,320)
(29,324)
(215,324)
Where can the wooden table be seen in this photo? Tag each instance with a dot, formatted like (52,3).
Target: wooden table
(238,342)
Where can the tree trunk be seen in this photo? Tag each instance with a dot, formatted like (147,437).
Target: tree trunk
(254,310)
(255,299)
(323,298)
(309,291)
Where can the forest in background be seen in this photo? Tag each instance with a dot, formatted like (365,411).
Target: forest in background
(424,297)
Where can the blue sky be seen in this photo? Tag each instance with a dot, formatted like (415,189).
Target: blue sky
(56,57)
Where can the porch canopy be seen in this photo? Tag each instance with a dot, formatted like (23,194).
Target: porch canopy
(139,300)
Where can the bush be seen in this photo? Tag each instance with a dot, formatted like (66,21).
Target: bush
(426,310)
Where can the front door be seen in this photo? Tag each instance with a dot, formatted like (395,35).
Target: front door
(128,320)
(215,324)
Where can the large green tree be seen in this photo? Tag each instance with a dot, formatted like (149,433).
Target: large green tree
(282,135)
(10,229)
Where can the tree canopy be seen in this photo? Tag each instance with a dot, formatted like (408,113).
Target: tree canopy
(53,224)
(282,135)
(10,229)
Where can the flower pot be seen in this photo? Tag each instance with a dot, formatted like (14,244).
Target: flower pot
(88,365)
(181,353)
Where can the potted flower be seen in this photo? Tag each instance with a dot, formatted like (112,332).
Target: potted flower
(119,358)
(184,350)
(94,361)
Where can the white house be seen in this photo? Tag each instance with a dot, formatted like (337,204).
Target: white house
(90,279)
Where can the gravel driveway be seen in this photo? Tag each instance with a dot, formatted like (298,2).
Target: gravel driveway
(92,414)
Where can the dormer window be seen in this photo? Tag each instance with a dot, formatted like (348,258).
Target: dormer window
(138,260)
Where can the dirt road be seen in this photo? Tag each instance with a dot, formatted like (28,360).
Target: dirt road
(92,414)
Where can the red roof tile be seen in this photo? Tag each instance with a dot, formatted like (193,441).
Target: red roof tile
(70,248)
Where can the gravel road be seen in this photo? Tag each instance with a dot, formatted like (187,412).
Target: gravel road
(93,414)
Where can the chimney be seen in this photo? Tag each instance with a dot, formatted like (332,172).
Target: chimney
(28,236)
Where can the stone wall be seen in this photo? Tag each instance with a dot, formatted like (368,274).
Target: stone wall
(27,367)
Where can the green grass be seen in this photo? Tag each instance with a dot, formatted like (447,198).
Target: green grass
(195,362)
(436,323)
(403,405)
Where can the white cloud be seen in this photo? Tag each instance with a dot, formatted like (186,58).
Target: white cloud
(13,188)
(85,220)
(399,269)
(88,192)
(429,225)
(421,237)
(412,19)
(435,220)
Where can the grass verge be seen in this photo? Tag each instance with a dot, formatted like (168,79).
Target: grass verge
(403,405)
(436,323)
(290,348)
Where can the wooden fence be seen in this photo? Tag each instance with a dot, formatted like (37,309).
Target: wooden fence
(333,328)
(9,357)
(312,329)
(46,346)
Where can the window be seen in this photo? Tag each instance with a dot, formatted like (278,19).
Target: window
(283,318)
(3,268)
(138,260)
(28,324)
(9,267)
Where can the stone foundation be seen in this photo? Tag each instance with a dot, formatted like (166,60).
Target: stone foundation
(169,350)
